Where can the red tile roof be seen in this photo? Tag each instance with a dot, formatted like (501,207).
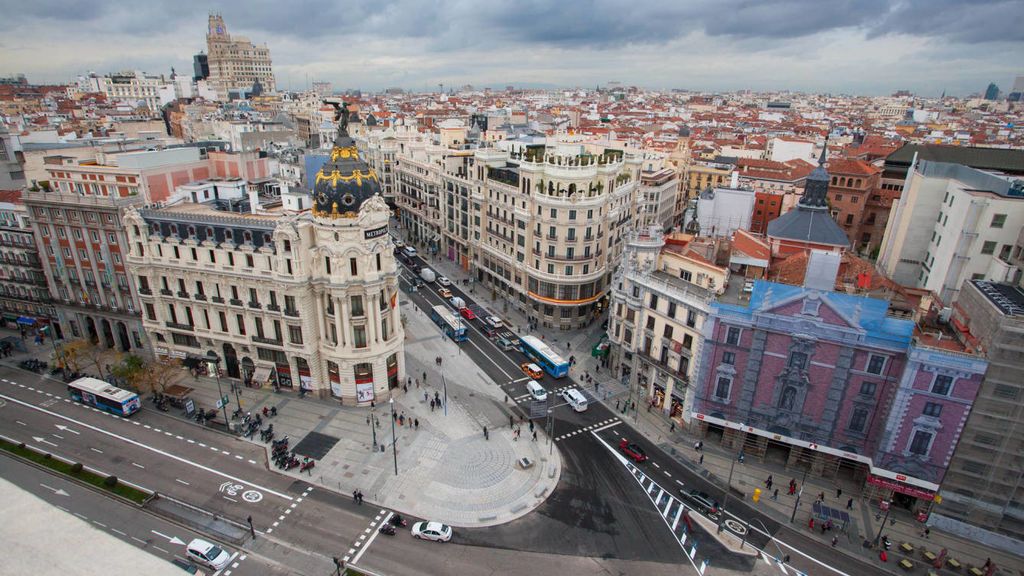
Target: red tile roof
(747,243)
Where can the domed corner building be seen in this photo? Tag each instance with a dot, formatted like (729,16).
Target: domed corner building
(354,279)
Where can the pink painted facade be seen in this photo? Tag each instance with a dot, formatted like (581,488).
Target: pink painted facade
(836,370)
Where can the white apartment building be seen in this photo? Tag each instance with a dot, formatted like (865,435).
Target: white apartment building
(657,314)
(721,211)
(951,224)
(657,198)
(133,88)
(538,222)
(284,295)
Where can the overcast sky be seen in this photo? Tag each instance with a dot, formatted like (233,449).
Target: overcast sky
(852,46)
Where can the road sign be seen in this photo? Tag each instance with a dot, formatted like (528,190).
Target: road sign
(190,407)
(223,401)
(538,409)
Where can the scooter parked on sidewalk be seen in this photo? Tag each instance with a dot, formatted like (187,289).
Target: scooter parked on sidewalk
(307,464)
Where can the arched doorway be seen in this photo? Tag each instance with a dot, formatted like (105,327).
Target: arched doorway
(231,361)
(248,367)
(108,333)
(90,330)
(122,337)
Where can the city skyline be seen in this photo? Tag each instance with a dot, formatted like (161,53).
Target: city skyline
(841,47)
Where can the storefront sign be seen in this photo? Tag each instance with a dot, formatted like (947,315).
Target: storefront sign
(364,392)
(902,489)
(375,233)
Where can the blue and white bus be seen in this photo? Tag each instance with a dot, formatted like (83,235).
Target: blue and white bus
(449,323)
(544,356)
(106,397)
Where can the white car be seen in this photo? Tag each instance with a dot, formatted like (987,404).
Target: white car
(207,554)
(399,243)
(432,531)
(444,281)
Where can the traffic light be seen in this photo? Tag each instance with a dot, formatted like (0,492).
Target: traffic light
(757,494)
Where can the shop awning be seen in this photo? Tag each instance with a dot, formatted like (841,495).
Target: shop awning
(261,375)
(9,316)
(25,320)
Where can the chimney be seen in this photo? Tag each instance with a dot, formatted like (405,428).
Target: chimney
(735,183)
(254,200)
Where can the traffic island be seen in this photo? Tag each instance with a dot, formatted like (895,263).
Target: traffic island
(76,471)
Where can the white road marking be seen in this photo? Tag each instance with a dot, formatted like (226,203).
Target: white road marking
(137,465)
(368,542)
(226,498)
(161,549)
(182,481)
(606,426)
(150,448)
(116,531)
(96,450)
(20,422)
(143,542)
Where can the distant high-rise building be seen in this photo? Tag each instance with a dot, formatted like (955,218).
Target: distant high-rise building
(992,92)
(200,67)
(1018,84)
(235,63)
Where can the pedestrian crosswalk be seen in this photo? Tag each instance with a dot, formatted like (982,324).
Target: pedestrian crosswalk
(595,427)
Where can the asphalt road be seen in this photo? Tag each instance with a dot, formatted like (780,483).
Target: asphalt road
(599,509)
(137,527)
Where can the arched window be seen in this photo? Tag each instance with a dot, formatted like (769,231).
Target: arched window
(191,231)
(174,229)
(209,233)
(266,238)
(229,234)
(247,237)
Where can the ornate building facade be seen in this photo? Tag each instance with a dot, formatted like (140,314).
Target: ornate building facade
(287,296)
(235,63)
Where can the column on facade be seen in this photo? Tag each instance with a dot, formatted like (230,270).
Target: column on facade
(341,310)
(373,320)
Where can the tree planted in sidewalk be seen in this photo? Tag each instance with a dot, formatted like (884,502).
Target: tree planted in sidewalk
(158,374)
(130,369)
(74,353)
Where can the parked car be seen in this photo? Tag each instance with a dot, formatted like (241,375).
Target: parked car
(748,286)
(467,313)
(531,370)
(399,243)
(207,554)
(635,452)
(444,281)
(505,344)
(703,503)
(432,531)
(445,293)
(537,392)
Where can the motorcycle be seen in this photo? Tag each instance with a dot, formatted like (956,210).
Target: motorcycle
(292,463)
(307,465)
(387,529)
(162,406)
(281,442)
(397,520)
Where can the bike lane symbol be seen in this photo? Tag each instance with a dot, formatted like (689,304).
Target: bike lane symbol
(232,489)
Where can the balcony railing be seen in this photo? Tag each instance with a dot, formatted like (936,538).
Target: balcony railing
(178,326)
(217,299)
(270,341)
(291,312)
(166,292)
(145,292)
(199,297)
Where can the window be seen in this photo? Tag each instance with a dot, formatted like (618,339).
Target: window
(942,384)
(687,341)
(671,309)
(691,318)
(359,336)
(932,409)
(733,336)
(668,332)
(988,247)
(876,364)
(378,260)
(868,388)
(921,443)
(686,275)
(223,321)
(858,420)
(998,220)
(357,306)
(654,302)
(650,322)
(295,334)
(327,264)
(798,360)
(729,358)
(722,387)
(353,267)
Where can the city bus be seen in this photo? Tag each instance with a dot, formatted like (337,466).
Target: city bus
(106,397)
(544,356)
(448,322)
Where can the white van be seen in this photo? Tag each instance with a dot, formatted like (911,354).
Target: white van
(575,398)
(409,251)
(537,392)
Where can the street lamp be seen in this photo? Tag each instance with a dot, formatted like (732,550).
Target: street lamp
(728,486)
(799,493)
(212,358)
(394,439)
(888,508)
(373,429)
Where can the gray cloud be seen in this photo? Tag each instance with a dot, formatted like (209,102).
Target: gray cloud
(416,38)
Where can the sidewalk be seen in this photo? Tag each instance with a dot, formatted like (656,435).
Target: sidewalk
(752,474)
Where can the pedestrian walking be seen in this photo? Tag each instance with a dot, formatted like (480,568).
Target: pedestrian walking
(486,437)
(768,482)
(431,404)
(510,421)
(417,423)
(425,395)
(839,493)
(701,461)
(672,427)
(810,524)
(927,532)
(394,417)
(849,504)
(417,380)
(617,406)
(531,425)
(775,495)
(534,435)
(405,388)
(835,540)
(424,377)
(360,495)
(355,496)
(821,497)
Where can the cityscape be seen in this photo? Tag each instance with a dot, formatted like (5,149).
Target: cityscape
(397,290)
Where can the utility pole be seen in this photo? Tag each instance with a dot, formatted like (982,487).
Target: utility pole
(799,493)
(728,486)
(394,438)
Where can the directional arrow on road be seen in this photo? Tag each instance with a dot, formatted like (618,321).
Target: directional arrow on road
(65,428)
(42,440)
(171,539)
(56,491)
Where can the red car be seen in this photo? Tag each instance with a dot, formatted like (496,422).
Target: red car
(633,451)
(467,313)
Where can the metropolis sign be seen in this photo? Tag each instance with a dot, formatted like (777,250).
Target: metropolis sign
(375,233)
